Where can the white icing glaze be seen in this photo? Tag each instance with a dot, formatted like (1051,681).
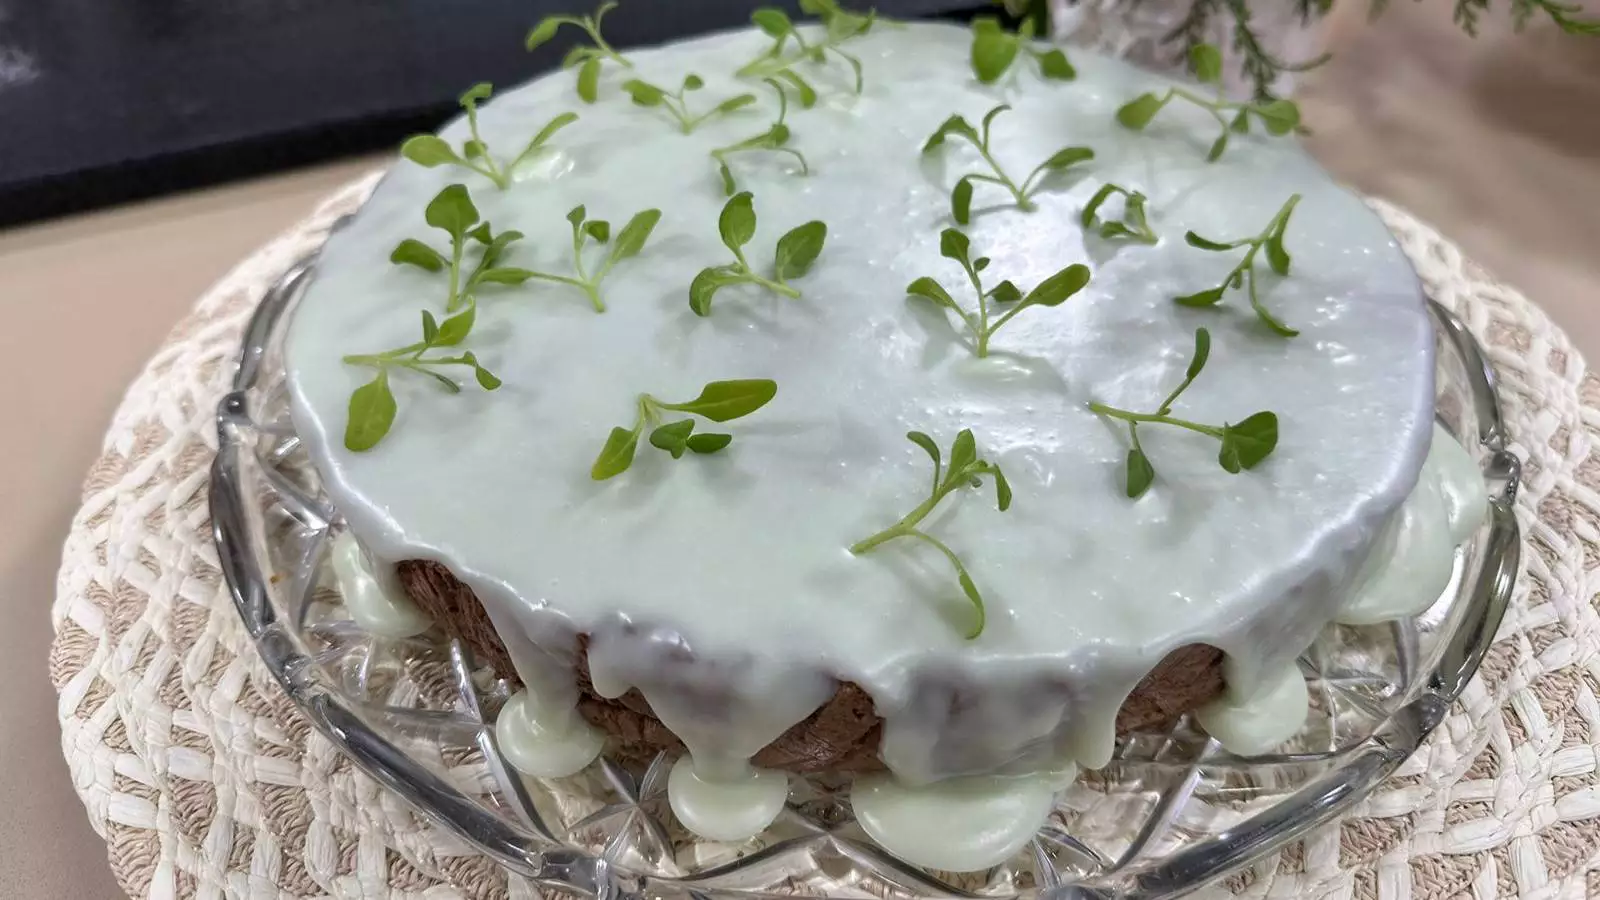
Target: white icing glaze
(721,587)
(1254,724)
(960,824)
(545,740)
(1415,555)
(375,604)
(727,808)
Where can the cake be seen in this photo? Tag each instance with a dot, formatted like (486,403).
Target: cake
(803,589)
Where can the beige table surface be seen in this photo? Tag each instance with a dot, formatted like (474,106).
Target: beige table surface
(1496,142)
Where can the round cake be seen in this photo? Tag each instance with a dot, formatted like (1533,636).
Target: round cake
(974,484)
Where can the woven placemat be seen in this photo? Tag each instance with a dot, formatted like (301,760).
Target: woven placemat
(205,781)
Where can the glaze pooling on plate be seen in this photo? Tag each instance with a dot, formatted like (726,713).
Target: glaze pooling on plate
(727,578)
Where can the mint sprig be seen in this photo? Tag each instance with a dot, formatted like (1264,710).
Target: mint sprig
(994,49)
(961,195)
(452,211)
(1244,445)
(793,256)
(1052,291)
(1244,274)
(1278,116)
(839,26)
(773,139)
(629,241)
(430,150)
(1133,224)
(587,59)
(646,94)
(965,470)
(719,401)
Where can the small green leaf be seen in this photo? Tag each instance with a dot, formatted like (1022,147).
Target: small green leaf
(1218,147)
(1005,292)
(798,249)
(430,327)
(1202,352)
(1241,122)
(1054,64)
(1002,489)
(1206,63)
(483,234)
(1140,473)
(1279,116)
(452,211)
(927,444)
(486,378)
(775,22)
(737,224)
(929,289)
(543,32)
(477,94)
(616,456)
(576,55)
(1277,257)
(693,82)
(993,50)
(963,453)
(733,104)
(808,94)
(599,229)
(729,186)
(1203,298)
(1138,112)
(673,437)
(371,414)
(1053,291)
(589,79)
(961,201)
(954,245)
(722,401)
(474,150)
(643,93)
(971,590)
(1253,440)
(549,130)
(1086,219)
(413,252)
(1195,240)
(428,150)
(456,328)
(632,237)
(953,125)
(708,442)
(706,284)
(577,215)
(504,275)
(1068,156)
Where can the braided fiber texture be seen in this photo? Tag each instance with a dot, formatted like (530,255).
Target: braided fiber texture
(205,781)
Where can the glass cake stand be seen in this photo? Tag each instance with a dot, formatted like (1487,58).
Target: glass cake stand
(1170,813)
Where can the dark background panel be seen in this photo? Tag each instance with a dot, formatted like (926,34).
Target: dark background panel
(103,101)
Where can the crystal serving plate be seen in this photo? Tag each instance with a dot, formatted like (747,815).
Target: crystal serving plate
(1170,813)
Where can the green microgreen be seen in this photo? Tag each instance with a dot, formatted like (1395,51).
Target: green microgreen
(773,139)
(587,59)
(719,401)
(1244,274)
(372,406)
(961,195)
(1052,291)
(1133,224)
(629,241)
(430,150)
(965,469)
(839,26)
(646,94)
(1244,445)
(453,212)
(793,256)
(1279,116)
(994,49)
